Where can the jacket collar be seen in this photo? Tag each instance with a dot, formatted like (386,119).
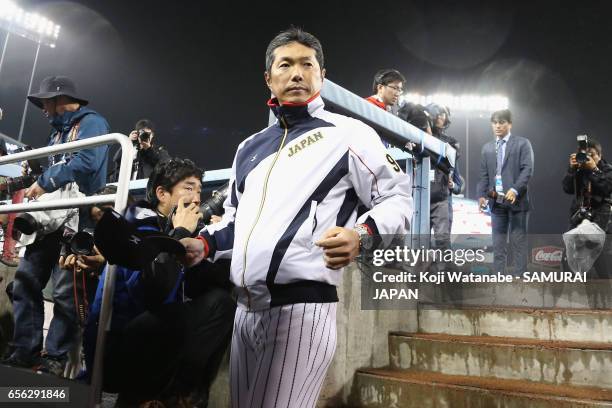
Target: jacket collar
(64,122)
(293,113)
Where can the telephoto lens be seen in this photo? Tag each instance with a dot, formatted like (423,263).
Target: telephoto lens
(214,205)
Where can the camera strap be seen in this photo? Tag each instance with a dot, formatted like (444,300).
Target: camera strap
(72,136)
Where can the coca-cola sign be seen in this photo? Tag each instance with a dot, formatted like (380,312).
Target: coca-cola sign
(547,256)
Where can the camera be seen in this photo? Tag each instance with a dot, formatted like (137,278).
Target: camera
(78,243)
(214,205)
(144,136)
(33,170)
(582,155)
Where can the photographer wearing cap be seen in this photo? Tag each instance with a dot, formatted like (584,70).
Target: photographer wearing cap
(148,155)
(167,335)
(72,174)
(589,178)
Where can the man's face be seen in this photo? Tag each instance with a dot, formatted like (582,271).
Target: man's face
(49,106)
(440,120)
(391,92)
(295,75)
(501,127)
(189,188)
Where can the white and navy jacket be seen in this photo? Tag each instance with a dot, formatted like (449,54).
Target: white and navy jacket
(290,183)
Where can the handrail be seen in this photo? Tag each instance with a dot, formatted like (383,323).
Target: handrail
(120,200)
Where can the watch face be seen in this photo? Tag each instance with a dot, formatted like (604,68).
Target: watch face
(367,242)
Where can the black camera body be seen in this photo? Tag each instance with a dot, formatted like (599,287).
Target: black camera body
(144,136)
(582,155)
(12,184)
(78,243)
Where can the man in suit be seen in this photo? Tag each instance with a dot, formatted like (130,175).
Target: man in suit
(505,170)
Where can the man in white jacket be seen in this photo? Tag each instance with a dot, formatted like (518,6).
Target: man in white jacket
(290,227)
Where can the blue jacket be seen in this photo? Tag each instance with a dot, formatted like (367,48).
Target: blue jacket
(87,167)
(137,291)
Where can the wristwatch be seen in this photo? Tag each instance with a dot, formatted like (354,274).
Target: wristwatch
(366,240)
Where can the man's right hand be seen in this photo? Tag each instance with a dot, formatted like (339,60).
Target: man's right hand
(194,251)
(481,203)
(134,136)
(572,161)
(91,264)
(186,217)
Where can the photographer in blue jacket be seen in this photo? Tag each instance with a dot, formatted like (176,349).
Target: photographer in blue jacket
(85,172)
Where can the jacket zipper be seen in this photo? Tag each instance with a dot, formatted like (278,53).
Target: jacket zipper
(261,204)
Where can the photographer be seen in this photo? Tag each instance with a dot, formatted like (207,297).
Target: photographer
(167,337)
(74,173)
(148,154)
(443,184)
(589,178)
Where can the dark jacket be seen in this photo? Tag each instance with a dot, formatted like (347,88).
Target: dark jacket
(601,192)
(439,190)
(516,171)
(88,167)
(163,282)
(146,160)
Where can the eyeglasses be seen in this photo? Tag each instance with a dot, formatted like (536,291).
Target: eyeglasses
(395,88)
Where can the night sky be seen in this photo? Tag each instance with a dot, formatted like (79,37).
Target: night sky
(196,69)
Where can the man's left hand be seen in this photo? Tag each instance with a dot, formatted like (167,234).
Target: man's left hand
(340,246)
(511,196)
(590,164)
(34,191)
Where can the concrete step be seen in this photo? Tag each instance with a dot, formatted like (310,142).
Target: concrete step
(579,325)
(385,388)
(594,294)
(551,362)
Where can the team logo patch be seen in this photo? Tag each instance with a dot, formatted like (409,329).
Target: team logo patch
(304,143)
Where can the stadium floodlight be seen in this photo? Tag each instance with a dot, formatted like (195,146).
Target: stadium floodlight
(460,103)
(32,26)
(29,25)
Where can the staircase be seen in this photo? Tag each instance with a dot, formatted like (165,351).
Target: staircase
(482,357)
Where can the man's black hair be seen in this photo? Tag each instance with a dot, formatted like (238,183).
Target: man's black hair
(144,123)
(503,114)
(294,34)
(594,144)
(168,174)
(416,115)
(385,77)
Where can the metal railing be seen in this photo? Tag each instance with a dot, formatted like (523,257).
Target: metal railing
(120,201)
